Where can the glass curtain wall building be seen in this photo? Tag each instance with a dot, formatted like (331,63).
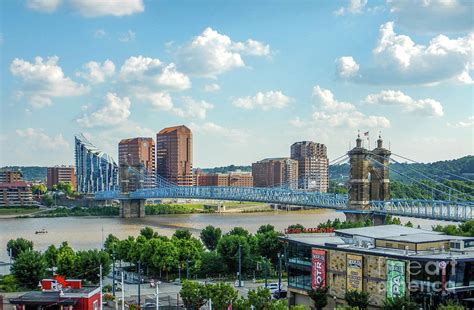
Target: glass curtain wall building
(95,170)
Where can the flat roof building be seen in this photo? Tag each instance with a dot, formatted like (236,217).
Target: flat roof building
(275,172)
(138,153)
(385,261)
(313,165)
(237,179)
(174,155)
(16,194)
(60,174)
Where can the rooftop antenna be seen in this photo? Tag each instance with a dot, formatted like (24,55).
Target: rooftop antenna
(389,146)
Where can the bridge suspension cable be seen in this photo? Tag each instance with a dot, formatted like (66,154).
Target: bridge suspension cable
(413,179)
(449,173)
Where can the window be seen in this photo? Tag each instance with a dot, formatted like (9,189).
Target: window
(96,305)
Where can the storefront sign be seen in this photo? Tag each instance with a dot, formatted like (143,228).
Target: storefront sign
(309,230)
(318,270)
(395,279)
(354,273)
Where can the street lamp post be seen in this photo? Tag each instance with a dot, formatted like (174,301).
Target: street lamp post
(279,275)
(240,265)
(266,272)
(113,273)
(139,282)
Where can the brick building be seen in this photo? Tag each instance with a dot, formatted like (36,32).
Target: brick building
(313,165)
(174,155)
(238,179)
(14,192)
(275,172)
(138,153)
(60,174)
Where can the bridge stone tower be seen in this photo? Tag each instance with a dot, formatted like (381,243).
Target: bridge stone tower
(131,179)
(368,181)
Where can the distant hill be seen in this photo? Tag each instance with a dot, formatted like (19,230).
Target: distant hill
(31,173)
(439,170)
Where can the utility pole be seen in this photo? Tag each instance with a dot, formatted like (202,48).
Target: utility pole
(279,275)
(157,292)
(100,285)
(266,273)
(240,265)
(123,293)
(113,273)
(179,274)
(139,282)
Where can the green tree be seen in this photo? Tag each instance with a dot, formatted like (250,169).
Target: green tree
(124,248)
(268,245)
(39,189)
(239,231)
(319,297)
(357,299)
(299,307)
(165,255)
(296,226)
(66,260)
(111,244)
(399,303)
(51,256)
(194,294)
(182,234)
(210,237)
(222,294)
(48,200)
(87,264)
(189,250)
(147,232)
(212,264)
(29,268)
(17,246)
(265,228)
(228,248)
(66,188)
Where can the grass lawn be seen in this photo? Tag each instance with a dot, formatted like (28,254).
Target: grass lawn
(17,211)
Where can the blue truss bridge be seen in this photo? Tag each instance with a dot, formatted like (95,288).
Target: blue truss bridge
(458,207)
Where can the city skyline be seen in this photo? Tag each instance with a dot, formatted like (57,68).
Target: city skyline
(247,87)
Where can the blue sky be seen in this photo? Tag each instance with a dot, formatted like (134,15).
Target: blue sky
(248,77)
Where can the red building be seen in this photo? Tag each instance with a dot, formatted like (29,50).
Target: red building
(60,174)
(60,294)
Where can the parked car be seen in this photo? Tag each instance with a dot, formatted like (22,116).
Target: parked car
(273,287)
(283,294)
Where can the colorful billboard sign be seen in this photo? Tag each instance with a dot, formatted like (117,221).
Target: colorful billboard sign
(354,272)
(318,268)
(395,279)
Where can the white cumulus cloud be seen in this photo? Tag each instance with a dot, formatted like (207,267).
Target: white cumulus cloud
(213,129)
(424,107)
(211,53)
(334,113)
(95,72)
(433,16)
(45,6)
(354,7)
(346,67)
(43,80)
(265,101)
(399,60)
(153,72)
(37,139)
(469,122)
(94,8)
(115,111)
(192,108)
(159,100)
(210,88)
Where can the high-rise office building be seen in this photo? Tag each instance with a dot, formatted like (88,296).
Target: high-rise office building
(275,172)
(95,170)
(60,174)
(313,165)
(138,154)
(174,155)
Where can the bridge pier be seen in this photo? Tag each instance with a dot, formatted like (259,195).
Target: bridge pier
(362,216)
(132,208)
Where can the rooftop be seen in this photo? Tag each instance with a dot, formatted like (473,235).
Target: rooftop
(424,237)
(384,231)
(174,128)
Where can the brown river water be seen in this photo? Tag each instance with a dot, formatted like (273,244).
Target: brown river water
(89,232)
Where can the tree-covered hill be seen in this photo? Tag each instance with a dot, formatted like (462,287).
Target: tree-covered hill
(30,173)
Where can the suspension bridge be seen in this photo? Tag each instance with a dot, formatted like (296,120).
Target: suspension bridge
(369,193)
